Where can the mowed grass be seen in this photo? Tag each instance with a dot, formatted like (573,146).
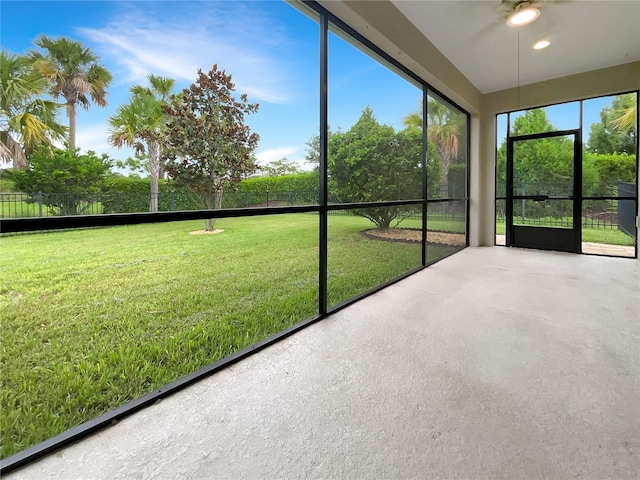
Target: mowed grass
(14,208)
(94,318)
(606,236)
(18,209)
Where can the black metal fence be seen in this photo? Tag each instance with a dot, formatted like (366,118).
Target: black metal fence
(617,212)
(17,205)
(607,219)
(606,214)
(609,222)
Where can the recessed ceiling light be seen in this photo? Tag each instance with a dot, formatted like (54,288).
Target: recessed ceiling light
(542,44)
(523,16)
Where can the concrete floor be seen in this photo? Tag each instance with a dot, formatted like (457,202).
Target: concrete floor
(494,363)
(592,248)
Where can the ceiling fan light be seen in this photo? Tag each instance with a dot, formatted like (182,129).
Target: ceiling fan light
(523,16)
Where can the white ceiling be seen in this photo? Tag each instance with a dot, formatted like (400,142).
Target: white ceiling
(584,34)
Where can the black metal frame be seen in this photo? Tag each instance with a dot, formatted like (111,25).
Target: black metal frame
(578,200)
(425,158)
(536,237)
(439,97)
(323,209)
(323,227)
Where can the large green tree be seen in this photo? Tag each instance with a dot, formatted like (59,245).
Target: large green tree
(546,165)
(73,73)
(313,149)
(611,150)
(541,165)
(66,181)
(208,145)
(26,119)
(372,162)
(532,121)
(277,168)
(616,132)
(141,124)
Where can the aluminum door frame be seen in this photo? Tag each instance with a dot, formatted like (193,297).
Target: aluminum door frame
(539,237)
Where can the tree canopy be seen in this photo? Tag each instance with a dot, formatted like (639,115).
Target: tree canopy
(64,180)
(372,162)
(26,119)
(616,132)
(532,121)
(141,123)
(208,146)
(446,132)
(73,73)
(545,163)
(277,168)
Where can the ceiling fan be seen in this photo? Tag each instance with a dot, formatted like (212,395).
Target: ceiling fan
(520,12)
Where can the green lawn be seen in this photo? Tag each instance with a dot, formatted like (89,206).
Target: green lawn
(10,208)
(94,318)
(607,236)
(596,235)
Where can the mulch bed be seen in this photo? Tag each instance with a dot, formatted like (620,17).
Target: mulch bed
(414,235)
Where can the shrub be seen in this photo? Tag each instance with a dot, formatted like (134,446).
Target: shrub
(131,194)
(295,182)
(67,182)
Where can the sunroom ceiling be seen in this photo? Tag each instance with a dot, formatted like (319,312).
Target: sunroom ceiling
(584,34)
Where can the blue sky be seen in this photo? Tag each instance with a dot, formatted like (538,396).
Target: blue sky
(566,116)
(269,47)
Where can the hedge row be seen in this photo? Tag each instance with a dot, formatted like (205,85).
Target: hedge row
(295,182)
(131,194)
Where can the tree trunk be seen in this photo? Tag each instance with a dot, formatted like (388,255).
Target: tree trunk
(71,113)
(444,187)
(383,223)
(154,174)
(445,162)
(215,204)
(162,174)
(12,151)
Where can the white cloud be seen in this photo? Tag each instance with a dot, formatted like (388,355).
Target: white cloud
(175,39)
(95,137)
(266,156)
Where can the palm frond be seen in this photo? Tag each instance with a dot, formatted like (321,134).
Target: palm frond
(626,120)
(11,151)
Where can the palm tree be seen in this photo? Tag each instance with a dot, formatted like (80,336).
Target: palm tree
(74,73)
(140,124)
(444,127)
(26,120)
(161,88)
(626,119)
